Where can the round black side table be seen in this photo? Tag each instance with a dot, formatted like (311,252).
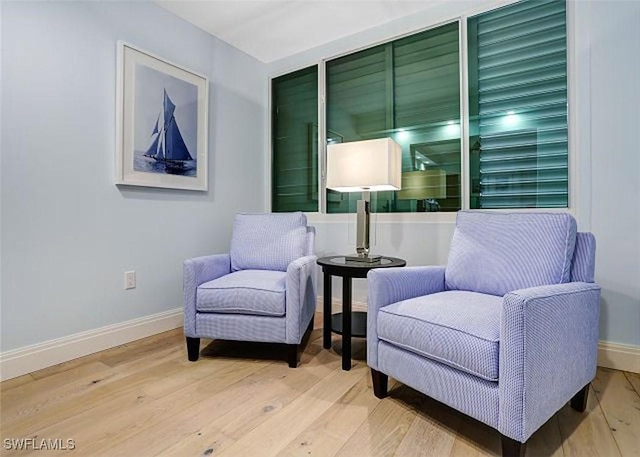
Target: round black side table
(347,323)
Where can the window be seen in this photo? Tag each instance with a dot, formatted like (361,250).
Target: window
(409,89)
(294,137)
(518,106)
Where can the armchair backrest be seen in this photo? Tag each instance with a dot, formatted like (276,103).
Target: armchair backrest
(268,241)
(496,253)
(584,258)
(311,240)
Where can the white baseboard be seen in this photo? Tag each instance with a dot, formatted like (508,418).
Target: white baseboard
(42,355)
(619,356)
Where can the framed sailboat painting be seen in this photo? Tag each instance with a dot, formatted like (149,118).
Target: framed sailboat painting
(161,123)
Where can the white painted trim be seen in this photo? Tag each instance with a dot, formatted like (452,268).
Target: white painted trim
(465,156)
(623,357)
(42,355)
(579,112)
(384,218)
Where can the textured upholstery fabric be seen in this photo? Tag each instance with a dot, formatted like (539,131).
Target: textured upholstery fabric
(388,286)
(547,326)
(584,258)
(262,304)
(241,327)
(311,240)
(268,241)
(495,253)
(259,292)
(548,351)
(457,328)
(301,296)
(473,396)
(195,272)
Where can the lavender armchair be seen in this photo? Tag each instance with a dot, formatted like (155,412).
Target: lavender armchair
(506,333)
(262,290)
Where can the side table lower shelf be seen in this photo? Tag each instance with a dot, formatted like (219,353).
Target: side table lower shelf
(347,323)
(358,324)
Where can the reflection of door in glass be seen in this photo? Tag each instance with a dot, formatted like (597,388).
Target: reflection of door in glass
(434,180)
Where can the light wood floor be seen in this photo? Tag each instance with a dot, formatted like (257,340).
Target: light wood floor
(146,399)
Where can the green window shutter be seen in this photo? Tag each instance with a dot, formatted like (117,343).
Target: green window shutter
(518,106)
(409,90)
(294,120)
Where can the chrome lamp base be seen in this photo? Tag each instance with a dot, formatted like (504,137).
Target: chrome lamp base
(363,259)
(362,233)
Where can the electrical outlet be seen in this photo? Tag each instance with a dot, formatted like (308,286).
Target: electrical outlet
(129,279)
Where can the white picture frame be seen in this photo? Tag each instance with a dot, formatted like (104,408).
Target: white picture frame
(161,122)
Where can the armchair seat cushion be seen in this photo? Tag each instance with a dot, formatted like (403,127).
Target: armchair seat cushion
(254,292)
(458,328)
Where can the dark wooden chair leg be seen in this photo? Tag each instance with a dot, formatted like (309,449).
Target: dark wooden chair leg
(292,355)
(193,348)
(307,333)
(293,350)
(380,383)
(512,448)
(579,400)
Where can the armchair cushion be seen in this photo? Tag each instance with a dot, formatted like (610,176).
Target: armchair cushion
(254,292)
(458,328)
(495,253)
(268,241)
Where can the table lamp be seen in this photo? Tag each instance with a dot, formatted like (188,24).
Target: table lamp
(425,186)
(364,166)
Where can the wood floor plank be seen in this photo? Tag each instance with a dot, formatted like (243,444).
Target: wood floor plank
(163,421)
(110,356)
(33,398)
(67,393)
(141,349)
(422,440)
(9,384)
(586,434)
(383,431)
(97,430)
(434,430)
(634,380)
(100,390)
(476,439)
(331,430)
(67,366)
(291,420)
(222,416)
(220,431)
(238,400)
(620,404)
(546,441)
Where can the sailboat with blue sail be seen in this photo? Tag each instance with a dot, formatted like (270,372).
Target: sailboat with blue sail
(167,145)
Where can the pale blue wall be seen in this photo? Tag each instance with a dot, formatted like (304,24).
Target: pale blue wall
(68,233)
(605,49)
(614,131)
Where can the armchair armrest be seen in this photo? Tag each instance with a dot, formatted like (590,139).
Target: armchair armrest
(548,352)
(196,271)
(300,296)
(392,285)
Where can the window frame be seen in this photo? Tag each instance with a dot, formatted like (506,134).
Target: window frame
(440,217)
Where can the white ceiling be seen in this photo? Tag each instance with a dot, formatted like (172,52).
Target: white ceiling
(273,29)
